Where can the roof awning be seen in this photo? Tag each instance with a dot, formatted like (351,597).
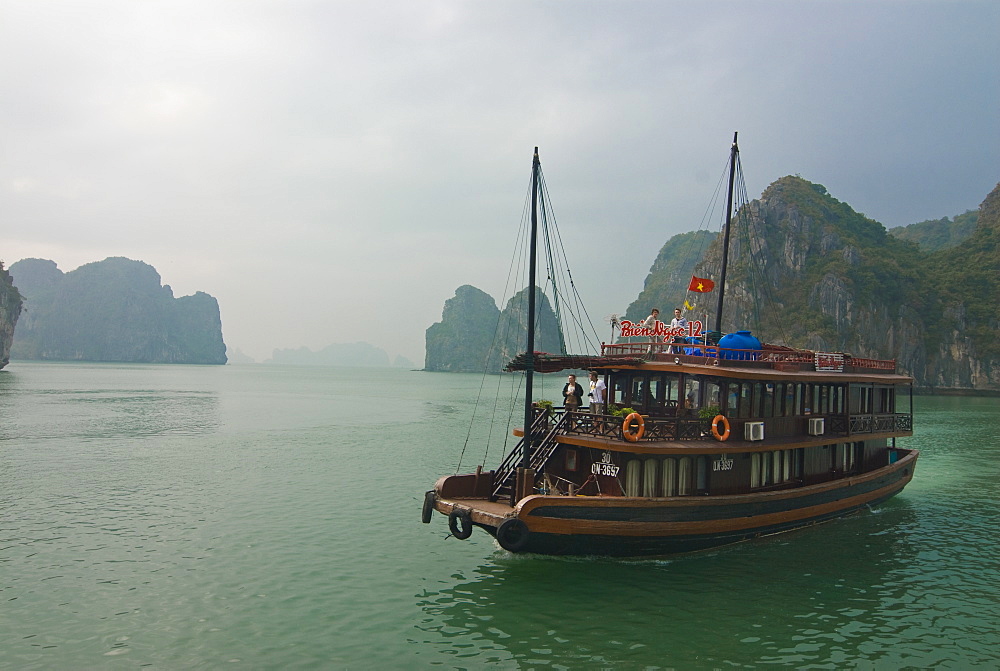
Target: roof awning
(551,363)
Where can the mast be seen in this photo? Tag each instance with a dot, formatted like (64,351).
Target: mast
(734,156)
(529,368)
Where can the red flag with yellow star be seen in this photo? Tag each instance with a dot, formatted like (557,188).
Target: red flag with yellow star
(700,285)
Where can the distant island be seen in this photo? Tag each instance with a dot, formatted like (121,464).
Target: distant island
(474,336)
(824,277)
(112,310)
(359,354)
(10,309)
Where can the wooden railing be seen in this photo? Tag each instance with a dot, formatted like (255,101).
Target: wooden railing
(769,357)
(577,422)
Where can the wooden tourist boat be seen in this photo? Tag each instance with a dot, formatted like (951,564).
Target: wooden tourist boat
(725,441)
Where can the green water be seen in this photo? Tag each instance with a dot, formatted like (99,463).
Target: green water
(257,517)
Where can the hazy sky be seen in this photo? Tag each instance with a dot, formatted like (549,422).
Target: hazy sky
(333,171)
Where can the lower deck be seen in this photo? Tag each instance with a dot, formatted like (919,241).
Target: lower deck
(623,525)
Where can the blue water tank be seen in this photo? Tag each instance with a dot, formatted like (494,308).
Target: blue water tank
(741,340)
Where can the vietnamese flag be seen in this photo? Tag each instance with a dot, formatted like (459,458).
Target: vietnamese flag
(701,285)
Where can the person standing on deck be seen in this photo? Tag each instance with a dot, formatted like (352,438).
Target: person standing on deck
(650,323)
(572,395)
(679,321)
(597,392)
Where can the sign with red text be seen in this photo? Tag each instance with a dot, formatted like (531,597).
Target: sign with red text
(694,329)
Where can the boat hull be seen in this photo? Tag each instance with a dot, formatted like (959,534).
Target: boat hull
(625,526)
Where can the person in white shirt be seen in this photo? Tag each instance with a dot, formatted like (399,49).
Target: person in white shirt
(650,323)
(598,399)
(678,321)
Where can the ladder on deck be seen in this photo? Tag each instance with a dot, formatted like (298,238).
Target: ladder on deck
(505,477)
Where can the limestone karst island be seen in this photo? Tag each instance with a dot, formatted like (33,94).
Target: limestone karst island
(112,310)
(927,295)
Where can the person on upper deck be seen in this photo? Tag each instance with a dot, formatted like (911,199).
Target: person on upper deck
(650,323)
(679,321)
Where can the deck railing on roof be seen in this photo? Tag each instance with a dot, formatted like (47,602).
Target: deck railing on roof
(769,357)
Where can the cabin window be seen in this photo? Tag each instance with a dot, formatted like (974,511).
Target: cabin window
(846,457)
(617,393)
(713,394)
(885,399)
(702,474)
(775,467)
(861,399)
(633,473)
(649,473)
(755,400)
(571,462)
(655,399)
(838,401)
(733,400)
(638,393)
(768,410)
(669,477)
(692,393)
(746,400)
(684,477)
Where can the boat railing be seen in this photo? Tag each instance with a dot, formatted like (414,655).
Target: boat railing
(582,422)
(870,423)
(611,426)
(771,356)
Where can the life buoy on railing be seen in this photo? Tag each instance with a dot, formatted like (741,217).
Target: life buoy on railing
(720,435)
(627,427)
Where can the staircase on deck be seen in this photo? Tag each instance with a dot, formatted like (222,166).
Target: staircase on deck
(505,478)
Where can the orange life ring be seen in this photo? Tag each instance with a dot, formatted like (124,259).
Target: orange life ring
(627,427)
(720,419)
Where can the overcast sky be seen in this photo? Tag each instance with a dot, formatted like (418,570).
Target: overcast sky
(333,171)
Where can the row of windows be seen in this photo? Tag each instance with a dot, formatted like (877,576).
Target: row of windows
(743,400)
(683,476)
(775,467)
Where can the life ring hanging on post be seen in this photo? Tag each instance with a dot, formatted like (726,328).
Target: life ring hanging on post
(721,436)
(627,427)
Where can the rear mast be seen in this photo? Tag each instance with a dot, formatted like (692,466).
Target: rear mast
(734,157)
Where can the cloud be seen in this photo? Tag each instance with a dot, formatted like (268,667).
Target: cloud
(326,167)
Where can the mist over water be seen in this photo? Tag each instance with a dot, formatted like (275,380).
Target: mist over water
(268,517)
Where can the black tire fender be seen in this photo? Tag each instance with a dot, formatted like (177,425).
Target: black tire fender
(460,523)
(512,534)
(430,498)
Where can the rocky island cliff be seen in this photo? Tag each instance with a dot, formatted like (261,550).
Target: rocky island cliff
(474,336)
(10,310)
(113,310)
(808,271)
